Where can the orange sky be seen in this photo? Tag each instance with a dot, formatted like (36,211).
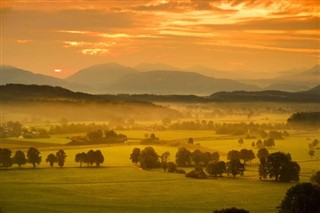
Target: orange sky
(258,35)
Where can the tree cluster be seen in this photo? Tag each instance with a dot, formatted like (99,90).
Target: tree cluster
(185,158)
(98,137)
(279,166)
(90,158)
(33,157)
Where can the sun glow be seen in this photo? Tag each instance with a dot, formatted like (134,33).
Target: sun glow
(57,70)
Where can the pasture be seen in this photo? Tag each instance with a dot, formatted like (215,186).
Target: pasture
(119,186)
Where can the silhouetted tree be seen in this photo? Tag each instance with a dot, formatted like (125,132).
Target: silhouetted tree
(81,158)
(196,157)
(164,160)
(269,142)
(231,210)
(19,158)
(253,144)
(90,157)
(301,198)
(51,159)
(171,167)
(5,157)
(61,157)
(149,159)
(215,156)
(262,153)
(190,140)
(240,141)
(315,142)
(216,168)
(233,154)
(235,167)
(315,178)
(311,153)
(183,157)
(135,155)
(98,157)
(33,156)
(259,144)
(246,155)
(278,165)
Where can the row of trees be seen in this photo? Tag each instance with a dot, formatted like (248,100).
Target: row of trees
(33,157)
(98,137)
(276,165)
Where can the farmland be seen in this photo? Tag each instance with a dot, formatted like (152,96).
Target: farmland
(120,186)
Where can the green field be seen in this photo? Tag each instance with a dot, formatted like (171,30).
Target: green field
(119,186)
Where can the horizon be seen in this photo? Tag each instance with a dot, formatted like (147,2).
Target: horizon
(265,37)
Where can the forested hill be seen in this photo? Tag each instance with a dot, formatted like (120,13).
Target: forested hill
(312,95)
(20,92)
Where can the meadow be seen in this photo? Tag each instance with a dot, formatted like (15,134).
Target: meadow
(120,186)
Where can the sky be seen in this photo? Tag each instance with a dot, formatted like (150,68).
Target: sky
(266,36)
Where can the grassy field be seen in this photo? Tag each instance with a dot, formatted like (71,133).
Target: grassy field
(119,186)
(128,189)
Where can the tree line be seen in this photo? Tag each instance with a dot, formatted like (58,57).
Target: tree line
(33,156)
(278,166)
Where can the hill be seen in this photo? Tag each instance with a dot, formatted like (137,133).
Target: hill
(174,82)
(312,95)
(100,75)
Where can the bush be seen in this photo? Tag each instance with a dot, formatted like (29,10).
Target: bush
(197,173)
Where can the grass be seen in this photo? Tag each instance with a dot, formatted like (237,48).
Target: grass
(119,186)
(127,189)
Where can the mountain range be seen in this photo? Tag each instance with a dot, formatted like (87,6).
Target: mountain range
(112,78)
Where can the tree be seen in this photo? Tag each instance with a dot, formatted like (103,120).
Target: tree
(240,141)
(301,198)
(190,141)
(196,157)
(19,158)
(278,165)
(231,210)
(61,157)
(262,153)
(51,159)
(233,154)
(315,178)
(311,153)
(235,167)
(315,142)
(253,144)
(5,157)
(183,157)
(164,160)
(246,155)
(90,157)
(259,144)
(81,158)
(215,156)
(171,167)
(269,142)
(98,158)
(149,159)
(216,168)
(34,157)
(135,155)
